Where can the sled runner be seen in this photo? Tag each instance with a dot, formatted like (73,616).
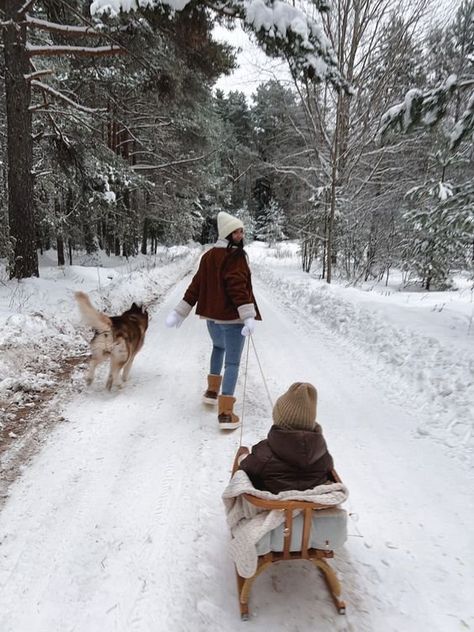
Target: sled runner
(310,535)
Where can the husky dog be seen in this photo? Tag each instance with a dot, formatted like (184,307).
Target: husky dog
(119,338)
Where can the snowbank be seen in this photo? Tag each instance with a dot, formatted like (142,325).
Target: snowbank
(420,347)
(40,324)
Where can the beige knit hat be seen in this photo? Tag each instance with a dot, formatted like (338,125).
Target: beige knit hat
(226,224)
(296,408)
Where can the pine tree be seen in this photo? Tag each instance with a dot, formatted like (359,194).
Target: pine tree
(270,224)
(426,108)
(248,221)
(236,152)
(440,229)
(441,214)
(281,168)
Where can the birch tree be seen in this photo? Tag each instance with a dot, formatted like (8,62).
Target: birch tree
(342,128)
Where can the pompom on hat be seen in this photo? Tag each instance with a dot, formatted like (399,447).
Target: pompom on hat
(296,409)
(226,224)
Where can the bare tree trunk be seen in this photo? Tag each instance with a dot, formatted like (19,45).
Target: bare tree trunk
(330,225)
(333,190)
(59,235)
(60,247)
(144,236)
(19,146)
(325,246)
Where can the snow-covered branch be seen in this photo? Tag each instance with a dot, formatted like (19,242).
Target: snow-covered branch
(24,8)
(428,108)
(39,73)
(307,175)
(172,163)
(419,108)
(62,29)
(49,110)
(96,51)
(280,29)
(63,97)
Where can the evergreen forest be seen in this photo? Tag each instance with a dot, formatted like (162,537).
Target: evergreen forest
(114,138)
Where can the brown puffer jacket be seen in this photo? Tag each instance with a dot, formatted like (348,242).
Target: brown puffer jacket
(289,460)
(221,285)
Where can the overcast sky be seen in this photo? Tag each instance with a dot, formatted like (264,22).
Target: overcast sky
(254,66)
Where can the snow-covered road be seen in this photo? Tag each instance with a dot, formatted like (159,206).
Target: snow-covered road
(118,524)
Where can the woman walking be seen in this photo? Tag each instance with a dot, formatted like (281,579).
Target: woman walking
(222,291)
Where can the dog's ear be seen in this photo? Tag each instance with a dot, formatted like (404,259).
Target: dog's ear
(139,308)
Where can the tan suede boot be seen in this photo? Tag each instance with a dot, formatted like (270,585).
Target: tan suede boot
(213,387)
(226,417)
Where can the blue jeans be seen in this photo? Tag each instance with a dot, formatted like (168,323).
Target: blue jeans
(227,343)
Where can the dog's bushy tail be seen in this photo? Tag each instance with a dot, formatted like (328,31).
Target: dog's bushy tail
(92,317)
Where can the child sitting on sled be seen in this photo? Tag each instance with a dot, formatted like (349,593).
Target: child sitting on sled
(282,502)
(294,456)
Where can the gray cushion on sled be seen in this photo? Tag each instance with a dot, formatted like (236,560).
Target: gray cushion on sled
(328,532)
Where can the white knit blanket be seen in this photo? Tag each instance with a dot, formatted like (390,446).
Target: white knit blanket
(248,524)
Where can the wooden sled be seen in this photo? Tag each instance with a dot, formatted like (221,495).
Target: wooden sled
(317,556)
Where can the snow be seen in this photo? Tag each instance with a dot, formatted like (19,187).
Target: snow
(391,114)
(64,28)
(443,191)
(39,324)
(117,522)
(277,19)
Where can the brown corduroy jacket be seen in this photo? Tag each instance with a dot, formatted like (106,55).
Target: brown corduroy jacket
(289,460)
(222,287)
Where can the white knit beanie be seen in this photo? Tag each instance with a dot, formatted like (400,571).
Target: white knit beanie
(226,224)
(296,408)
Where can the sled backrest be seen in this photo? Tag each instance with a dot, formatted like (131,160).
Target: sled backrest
(290,507)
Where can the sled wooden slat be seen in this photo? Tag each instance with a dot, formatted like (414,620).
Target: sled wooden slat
(308,516)
(317,556)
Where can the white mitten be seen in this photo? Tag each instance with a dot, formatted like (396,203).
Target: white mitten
(174,319)
(249,326)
